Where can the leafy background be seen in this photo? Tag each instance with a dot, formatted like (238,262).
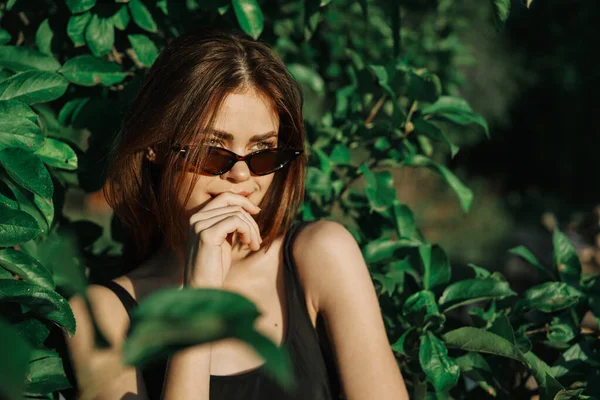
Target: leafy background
(450,137)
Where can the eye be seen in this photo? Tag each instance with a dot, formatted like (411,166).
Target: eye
(265,145)
(214,142)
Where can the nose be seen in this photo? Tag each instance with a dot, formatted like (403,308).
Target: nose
(239,173)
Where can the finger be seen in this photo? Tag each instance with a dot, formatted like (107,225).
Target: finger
(244,228)
(229,209)
(229,199)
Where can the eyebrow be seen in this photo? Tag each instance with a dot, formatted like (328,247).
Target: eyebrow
(228,137)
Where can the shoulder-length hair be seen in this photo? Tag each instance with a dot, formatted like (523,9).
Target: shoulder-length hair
(178,101)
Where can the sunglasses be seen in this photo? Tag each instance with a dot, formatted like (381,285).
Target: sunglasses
(261,162)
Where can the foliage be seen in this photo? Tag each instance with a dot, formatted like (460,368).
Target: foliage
(379,81)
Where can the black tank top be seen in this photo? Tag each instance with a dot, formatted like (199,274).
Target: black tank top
(309,348)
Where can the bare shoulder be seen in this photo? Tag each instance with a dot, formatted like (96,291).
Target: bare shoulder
(320,250)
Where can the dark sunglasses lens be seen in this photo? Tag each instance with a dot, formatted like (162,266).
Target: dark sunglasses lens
(269,161)
(217,161)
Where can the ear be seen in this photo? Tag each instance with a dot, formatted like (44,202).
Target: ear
(151,155)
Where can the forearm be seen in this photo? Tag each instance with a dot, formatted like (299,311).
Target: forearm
(188,374)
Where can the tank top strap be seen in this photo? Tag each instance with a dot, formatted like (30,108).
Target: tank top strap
(128,301)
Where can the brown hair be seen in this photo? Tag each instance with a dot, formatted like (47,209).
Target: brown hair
(179,98)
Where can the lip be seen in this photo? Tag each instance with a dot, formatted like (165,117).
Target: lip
(245,194)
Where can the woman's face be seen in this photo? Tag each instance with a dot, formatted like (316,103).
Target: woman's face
(242,119)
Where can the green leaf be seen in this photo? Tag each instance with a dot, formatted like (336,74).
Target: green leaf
(420,308)
(565,258)
(524,252)
(13,363)
(424,85)
(465,195)
(57,154)
(576,355)
(46,373)
(456,110)
(28,171)
(26,58)
(434,132)
(479,340)
(69,112)
(548,297)
(32,329)
(172,319)
(340,155)
(27,202)
(380,249)
(500,325)
(46,208)
(4,36)
(26,267)
(46,303)
(121,18)
(249,16)
(405,220)
(76,28)
(473,290)
(20,132)
(144,49)
(33,87)
(13,109)
(87,70)
(480,273)
(475,367)
(501,12)
(79,6)
(43,38)
(436,266)
(141,16)
(100,35)
(379,189)
(16,227)
(442,371)
(549,386)
(308,77)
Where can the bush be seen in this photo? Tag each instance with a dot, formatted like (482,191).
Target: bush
(381,84)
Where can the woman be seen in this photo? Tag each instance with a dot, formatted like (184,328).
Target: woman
(207,175)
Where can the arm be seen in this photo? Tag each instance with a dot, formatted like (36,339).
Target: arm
(99,372)
(341,289)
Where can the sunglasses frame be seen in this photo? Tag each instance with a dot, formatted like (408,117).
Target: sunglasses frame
(247,158)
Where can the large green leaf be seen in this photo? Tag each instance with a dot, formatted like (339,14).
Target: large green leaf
(249,16)
(16,227)
(79,6)
(46,373)
(4,36)
(379,189)
(173,319)
(76,28)
(442,371)
(26,267)
(420,308)
(33,87)
(549,386)
(46,303)
(479,340)
(465,195)
(144,49)
(141,16)
(121,18)
(14,109)
(27,170)
(13,363)
(88,70)
(436,266)
(100,35)
(565,258)
(548,297)
(26,58)
(57,154)
(473,290)
(32,329)
(27,201)
(20,132)
(405,220)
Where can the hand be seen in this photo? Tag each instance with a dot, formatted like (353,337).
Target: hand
(208,252)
